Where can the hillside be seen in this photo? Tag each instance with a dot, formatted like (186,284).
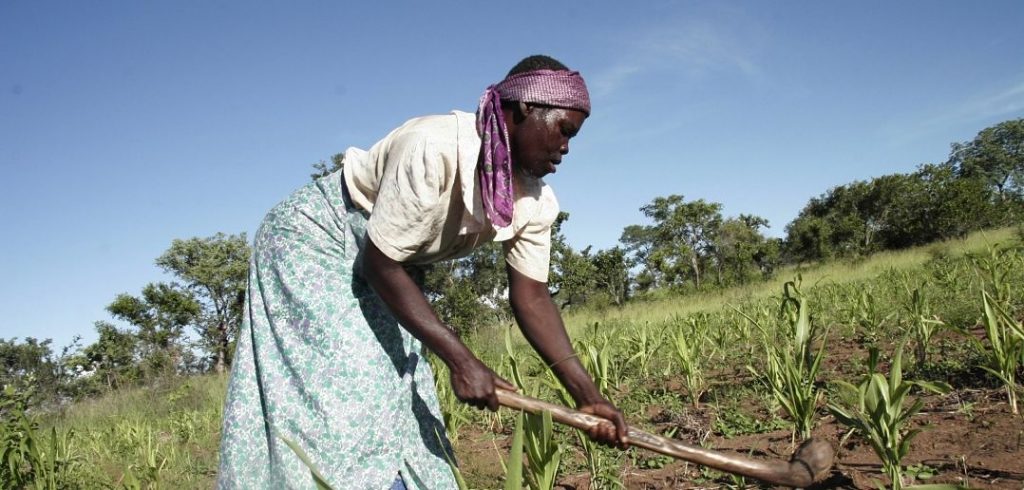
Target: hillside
(712,388)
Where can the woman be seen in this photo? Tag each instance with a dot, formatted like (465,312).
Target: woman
(330,352)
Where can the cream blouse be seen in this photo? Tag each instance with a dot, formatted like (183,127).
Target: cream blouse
(419,185)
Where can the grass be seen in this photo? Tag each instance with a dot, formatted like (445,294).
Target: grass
(167,436)
(837,272)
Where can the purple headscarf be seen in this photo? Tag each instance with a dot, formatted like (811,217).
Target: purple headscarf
(561,88)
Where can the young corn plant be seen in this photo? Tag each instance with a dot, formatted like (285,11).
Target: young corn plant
(514,467)
(644,344)
(880,413)
(994,271)
(1006,347)
(923,325)
(56,462)
(603,471)
(869,315)
(537,434)
(693,350)
(791,369)
(543,451)
(19,442)
(598,357)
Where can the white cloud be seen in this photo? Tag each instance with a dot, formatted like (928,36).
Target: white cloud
(990,105)
(694,48)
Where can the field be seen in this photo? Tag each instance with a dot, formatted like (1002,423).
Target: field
(751,370)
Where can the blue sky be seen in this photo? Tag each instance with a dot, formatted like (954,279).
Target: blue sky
(125,125)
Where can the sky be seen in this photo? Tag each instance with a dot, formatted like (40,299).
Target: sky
(125,125)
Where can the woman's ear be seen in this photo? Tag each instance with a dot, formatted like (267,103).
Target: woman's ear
(524,110)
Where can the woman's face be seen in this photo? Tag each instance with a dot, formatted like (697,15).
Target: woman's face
(542,138)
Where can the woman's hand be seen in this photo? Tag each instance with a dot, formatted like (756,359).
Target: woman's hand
(474,383)
(611,433)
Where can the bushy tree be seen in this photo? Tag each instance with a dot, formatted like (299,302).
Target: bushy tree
(572,277)
(110,362)
(741,252)
(30,361)
(214,271)
(611,273)
(322,168)
(996,156)
(979,186)
(160,315)
(468,292)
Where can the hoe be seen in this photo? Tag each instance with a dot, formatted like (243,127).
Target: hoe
(809,464)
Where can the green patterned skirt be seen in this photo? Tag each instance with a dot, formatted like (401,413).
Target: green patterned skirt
(322,363)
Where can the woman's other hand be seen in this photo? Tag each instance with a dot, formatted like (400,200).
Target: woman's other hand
(474,384)
(612,433)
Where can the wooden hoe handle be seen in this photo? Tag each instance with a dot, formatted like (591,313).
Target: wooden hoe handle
(811,462)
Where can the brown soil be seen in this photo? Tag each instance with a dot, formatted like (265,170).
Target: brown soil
(981,446)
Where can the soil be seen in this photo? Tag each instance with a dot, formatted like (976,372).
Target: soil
(982,447)
(969,437)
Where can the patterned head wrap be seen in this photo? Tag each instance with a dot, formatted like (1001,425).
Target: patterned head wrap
(562,88)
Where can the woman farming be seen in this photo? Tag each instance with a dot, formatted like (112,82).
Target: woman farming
(330,352)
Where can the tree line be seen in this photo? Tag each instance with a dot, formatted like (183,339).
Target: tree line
(189,324)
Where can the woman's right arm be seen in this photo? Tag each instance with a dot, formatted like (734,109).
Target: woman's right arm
(472,381)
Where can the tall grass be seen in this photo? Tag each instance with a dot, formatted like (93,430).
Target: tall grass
(167,436)
(662,309)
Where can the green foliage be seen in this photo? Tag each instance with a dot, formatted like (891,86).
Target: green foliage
(923,324)
(731,422)
(160,317)
(29,456)
(980,186)
(455,413)
(31,359)
(543,451)
(791,368)
(690,240)
(514,468)
(693,351)
(644,343)
(995,156)
(1005,352)
(879,414)
(323,169)
(214,270)
(111,359)
(468,293)
(19,447)
(580,277)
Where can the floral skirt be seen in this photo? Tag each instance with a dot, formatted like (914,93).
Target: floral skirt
(324,379)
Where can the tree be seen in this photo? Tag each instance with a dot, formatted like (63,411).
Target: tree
(214,270)
(321,169)
(467,292)
(682,232)
(111,360)
(638,243)
(611,273)
(160,315)
(996,156)
(572,274)
(29,362)
(740,250)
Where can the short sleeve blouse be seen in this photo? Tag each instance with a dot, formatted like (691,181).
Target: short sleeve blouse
(419,186)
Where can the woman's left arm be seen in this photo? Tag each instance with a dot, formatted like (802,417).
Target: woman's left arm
(542,325)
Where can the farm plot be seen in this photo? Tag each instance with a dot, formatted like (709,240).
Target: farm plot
(912,374)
